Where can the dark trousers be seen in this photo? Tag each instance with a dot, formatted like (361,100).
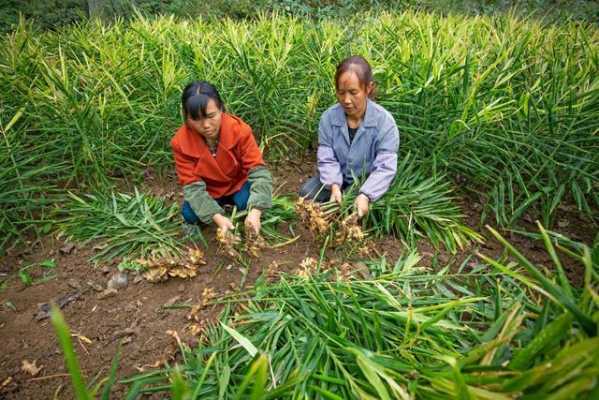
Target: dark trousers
(238,199)
(313,189)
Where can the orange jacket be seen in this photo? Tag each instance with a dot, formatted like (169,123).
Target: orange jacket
(237,153)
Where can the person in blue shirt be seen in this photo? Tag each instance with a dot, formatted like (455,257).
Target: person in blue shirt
(356,137)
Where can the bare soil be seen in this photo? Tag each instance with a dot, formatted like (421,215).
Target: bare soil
(136,316)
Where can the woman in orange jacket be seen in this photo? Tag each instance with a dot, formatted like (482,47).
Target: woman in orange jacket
(218,161)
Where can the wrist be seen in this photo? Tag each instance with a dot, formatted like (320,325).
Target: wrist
(218,219)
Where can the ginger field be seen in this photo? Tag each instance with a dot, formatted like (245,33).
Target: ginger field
(476,276)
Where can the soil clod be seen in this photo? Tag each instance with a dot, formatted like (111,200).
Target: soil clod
(44,308)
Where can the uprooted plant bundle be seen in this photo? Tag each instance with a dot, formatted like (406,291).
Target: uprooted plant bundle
(496,329)
(326,220)
(240,241)
(322,218)
(227,241)
(415,206)
(318,218)
(162,268)
(235,246)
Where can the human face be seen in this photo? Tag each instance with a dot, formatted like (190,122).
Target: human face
(209,126)
(352,95)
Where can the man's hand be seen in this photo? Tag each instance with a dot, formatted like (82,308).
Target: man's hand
(361,205)
(336,194)
(252,221)
(223,223)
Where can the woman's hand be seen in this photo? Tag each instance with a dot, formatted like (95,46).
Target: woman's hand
(252,221)
(336,194)
(361,204)
(223,223)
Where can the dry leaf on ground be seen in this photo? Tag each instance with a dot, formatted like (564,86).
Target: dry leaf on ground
(30,367)
(6,382)
(82,338)
(273,271)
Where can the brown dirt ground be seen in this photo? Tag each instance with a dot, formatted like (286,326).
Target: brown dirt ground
(136,312)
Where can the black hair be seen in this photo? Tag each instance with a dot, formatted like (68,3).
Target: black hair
(195,98)
(360,67)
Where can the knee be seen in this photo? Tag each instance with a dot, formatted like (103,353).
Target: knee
(304,190)
(242,204)
(241,198)
(311,188)
(188,214)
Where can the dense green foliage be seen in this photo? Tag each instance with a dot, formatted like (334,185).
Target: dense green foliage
(509,106)
(406,333)
(416,206)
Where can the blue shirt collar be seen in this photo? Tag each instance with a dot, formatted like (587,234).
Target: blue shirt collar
(369,118)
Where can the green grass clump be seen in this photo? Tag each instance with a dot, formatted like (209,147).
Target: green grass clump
(488,333)
(26,184)
(125,225)
(416,206)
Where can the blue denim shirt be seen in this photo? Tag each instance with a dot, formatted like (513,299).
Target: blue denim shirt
(373,152)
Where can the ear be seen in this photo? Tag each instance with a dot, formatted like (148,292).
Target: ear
(370,88)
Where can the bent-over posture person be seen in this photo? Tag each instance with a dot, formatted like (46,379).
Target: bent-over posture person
(356,137)
(218,162)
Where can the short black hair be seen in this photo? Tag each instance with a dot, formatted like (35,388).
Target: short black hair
(195,98)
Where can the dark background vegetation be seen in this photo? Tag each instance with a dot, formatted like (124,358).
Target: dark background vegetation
(52,14)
